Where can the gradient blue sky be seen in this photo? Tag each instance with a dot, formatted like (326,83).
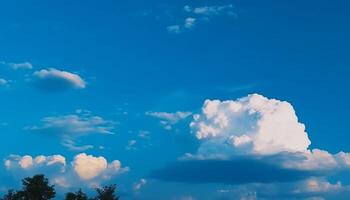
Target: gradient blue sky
(133,65)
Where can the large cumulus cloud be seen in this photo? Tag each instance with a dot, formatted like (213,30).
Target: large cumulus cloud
(258,126)
(253,124)
(253,139)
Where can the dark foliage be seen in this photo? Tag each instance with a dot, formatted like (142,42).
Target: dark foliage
(12,195)
(38,188)
(107,193)
(79,195)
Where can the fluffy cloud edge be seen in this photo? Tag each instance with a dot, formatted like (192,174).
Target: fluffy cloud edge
(52,79)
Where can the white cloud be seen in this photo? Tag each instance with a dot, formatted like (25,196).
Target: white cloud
(319,185)
(312,188)
(70,127)
(258,126)
(188,8)
(241,140)
(74,125)
(54,79)
(266,130)
(248,196)
(172,118)
(131,145)
(174,28)
(317,159)
(3,82)
(213,10)
(89,167)
(253,124)
(84,169)
(168,119)
(28,163)
(144,134)
(137,186)
(73,146)
(189,22)
(313,159)
(203,13)
(308,189)
(343,158)
(262,130)
(23,65)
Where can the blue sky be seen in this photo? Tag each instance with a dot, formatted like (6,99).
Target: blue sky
(124,81)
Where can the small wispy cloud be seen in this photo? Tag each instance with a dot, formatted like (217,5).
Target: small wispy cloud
(3,82)
(25,65)
(174,28)
(74,125)
(15,66)
(73,146)
(187,198)
(203,13)
(169,119)
(188,24)
(138,185)
(211,10)
(70,127)
(131,145)
(144,134)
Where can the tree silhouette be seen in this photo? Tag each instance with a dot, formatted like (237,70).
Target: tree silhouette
(37,188)
(107,193)
(11,195)
(79,195)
